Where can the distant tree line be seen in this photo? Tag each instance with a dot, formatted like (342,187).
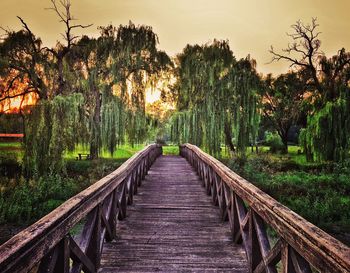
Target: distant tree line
(92,91)
(224,100)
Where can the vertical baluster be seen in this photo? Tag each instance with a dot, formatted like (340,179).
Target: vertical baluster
(214,189)
(285,259)
(255,251)
(234,221)
(221,199)
(121,192)
(143,168)
(94,252)
(263,242)
(63,256)
(130,190)
(243,225)
(138,175)
(208,180)
(292,262)
(112,217)
(57,260)
(134,181)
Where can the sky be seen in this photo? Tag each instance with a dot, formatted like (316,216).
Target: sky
(251,26)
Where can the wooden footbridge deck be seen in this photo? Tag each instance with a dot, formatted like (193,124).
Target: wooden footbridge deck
(173,224)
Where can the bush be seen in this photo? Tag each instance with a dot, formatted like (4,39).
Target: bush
(274,141)
(322,198)
(30,200)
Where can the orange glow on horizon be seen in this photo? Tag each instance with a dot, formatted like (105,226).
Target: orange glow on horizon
(14,104)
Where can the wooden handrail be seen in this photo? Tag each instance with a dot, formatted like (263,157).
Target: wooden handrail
(48,246)
(302,247)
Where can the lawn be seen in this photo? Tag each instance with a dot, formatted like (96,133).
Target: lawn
(171,150)
(124,151)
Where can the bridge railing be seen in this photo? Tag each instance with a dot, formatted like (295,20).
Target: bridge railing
(300,246)
(52,245)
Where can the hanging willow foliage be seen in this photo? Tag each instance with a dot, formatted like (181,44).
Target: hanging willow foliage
(327,136)
(241,86)
(51,128)
(122,59)
(217,99)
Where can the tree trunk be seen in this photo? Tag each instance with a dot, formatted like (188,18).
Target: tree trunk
(228,137)
(284,138)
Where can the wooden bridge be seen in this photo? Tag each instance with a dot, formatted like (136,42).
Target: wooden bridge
(173,224)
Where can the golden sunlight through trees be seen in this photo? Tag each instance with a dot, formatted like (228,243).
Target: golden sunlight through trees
(16,95)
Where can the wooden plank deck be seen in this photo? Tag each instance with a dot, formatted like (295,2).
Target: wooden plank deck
(173,227)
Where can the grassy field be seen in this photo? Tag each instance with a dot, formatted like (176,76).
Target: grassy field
(171,150)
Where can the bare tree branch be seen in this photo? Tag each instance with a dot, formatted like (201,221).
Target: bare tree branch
(306,45)
(64,13)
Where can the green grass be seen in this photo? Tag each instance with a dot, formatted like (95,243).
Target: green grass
(124,151)
(11,150)
(293,159)
(10,145)
(171,150)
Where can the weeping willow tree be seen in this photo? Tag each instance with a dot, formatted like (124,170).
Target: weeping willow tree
(113,72)
(52,127)
(137,63)
(217,99)
(327,136)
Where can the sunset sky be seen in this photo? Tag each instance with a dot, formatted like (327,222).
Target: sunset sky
(251,26)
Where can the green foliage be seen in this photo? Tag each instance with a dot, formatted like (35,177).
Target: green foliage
(52,127)
(120,65)
(33,199)
(170,150)
(326,137)
(216,96)
(274,141)
(24,201)
(318,197)
(283,103)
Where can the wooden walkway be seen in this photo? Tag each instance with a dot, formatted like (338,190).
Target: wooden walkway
(173,226)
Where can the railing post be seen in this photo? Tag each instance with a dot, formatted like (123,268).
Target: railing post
(122,201)
(94,249)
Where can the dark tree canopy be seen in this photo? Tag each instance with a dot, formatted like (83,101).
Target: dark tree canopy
(283,101)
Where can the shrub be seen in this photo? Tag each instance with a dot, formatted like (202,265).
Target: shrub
(322,197)
(31,200)
(274,141)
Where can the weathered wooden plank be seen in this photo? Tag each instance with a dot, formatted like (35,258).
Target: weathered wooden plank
(173,226)
(28,247)
(320,249)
